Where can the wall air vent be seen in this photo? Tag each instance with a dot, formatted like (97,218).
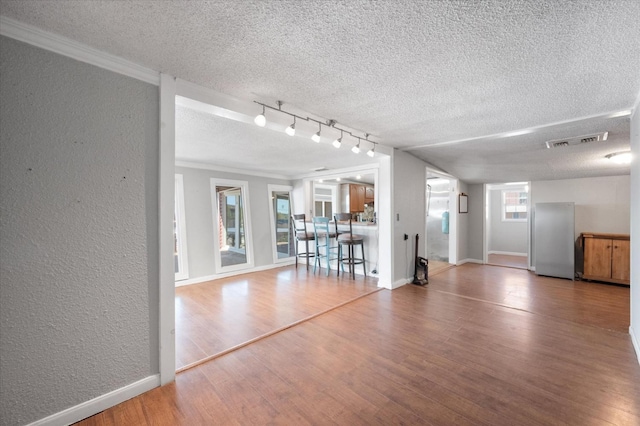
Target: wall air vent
(557,143)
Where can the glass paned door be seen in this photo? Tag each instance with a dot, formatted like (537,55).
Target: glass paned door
(232,241)
(283,241)
(282,215)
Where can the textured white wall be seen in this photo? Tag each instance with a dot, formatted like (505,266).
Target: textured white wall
(475,221)
(635,231)
(504,236)
(199,218)
(602,204)
(78,201)
(409,186)
(463,226)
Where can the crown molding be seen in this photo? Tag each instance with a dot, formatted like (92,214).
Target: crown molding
(75,50)
(203,166)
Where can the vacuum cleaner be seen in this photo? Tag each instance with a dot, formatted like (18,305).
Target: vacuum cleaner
(421,271)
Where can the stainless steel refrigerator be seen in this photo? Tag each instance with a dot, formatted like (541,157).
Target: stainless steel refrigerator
(554,239)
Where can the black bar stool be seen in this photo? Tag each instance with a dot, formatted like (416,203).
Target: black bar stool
(349,240)
(300,233)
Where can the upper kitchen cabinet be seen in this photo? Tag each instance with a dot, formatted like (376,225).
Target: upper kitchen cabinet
(357,196)
(369,194)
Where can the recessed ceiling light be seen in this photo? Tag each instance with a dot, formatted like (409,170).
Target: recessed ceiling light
(358,177)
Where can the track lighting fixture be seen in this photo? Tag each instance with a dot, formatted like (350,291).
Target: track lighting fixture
(356,148)
(338,141)
(261,120)
(316,136)
(291,130)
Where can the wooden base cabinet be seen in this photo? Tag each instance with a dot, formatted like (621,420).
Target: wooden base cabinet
(607,257)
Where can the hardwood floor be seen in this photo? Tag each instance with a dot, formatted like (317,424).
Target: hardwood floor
(478,345)
(437,266)
(508,260)
(218,315)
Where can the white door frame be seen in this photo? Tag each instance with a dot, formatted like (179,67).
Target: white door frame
(453,215)
(271,188)
(486,228)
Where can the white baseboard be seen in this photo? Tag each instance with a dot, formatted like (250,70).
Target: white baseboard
(399,283)
(101,403)
(636,343)
(508,253)
(463,261)
(231,274)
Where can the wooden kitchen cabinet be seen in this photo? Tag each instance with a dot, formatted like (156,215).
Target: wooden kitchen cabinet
(607,257)
(369,194)
(356,198)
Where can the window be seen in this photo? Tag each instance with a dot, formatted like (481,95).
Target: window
(514,205)
(324,198)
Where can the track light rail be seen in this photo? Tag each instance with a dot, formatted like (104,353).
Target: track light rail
(261,120)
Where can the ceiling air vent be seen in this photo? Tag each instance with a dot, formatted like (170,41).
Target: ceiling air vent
(551,144)
(590,139)
(557,143)
(320,169)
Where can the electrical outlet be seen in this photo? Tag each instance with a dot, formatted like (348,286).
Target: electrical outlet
(406,237)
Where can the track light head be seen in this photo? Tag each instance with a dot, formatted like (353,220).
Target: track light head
(261,120)
(356,148)
(316,136)
(291,130)
(372,152)
(338,141)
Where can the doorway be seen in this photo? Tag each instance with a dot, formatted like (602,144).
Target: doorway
(507,224)
(441,221)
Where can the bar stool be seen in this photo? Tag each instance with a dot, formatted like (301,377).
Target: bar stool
(323,237)
(299,230)
(349,240)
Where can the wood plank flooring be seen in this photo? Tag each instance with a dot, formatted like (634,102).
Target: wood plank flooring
(478,345)
(508,260)
(217,315)
(437,266)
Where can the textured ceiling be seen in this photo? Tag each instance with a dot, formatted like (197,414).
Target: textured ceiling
(205,138)
(411,73)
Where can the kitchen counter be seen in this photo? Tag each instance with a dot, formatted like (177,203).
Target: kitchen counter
(369,231)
